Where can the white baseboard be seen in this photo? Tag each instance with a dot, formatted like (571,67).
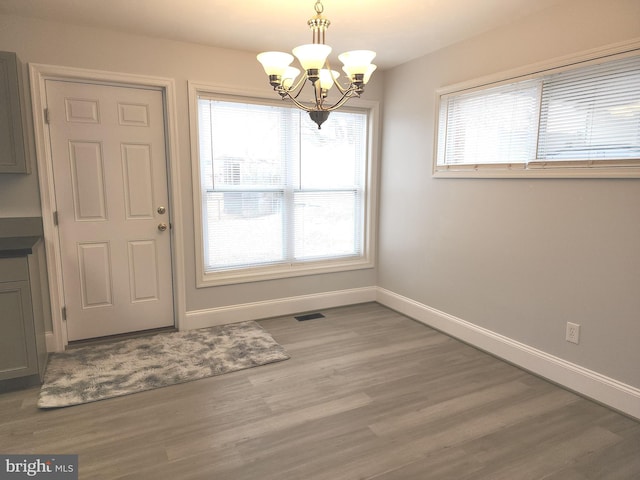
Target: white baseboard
(275,308)
(602,389)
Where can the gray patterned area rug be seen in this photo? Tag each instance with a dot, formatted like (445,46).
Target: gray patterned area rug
(97,372)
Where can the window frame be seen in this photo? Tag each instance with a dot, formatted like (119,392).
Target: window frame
(537,168)
(279,271)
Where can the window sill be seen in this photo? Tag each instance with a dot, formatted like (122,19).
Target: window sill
(274,272)
(536,170)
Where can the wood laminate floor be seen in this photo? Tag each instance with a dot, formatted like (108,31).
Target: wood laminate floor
(367,394)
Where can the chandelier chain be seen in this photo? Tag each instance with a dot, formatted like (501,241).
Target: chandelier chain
(318,7)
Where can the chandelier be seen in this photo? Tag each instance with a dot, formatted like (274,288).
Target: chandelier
(314,61)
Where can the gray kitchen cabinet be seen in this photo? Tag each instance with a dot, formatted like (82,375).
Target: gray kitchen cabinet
(22,337)
(13,157)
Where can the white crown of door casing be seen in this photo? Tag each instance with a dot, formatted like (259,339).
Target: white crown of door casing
(38,74)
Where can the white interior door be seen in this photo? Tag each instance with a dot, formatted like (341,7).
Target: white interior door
(110,177)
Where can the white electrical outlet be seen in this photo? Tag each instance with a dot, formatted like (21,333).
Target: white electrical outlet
(573,332)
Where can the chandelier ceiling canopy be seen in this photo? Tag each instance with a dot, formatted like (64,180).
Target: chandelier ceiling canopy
(314,60)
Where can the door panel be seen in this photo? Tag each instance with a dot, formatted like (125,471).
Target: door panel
(138,181)
(87,181)
(94,264)
(110,176)
(143,274)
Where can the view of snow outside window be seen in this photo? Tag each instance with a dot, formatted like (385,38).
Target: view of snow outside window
(275,189)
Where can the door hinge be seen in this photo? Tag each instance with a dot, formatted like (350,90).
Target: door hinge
(55,218)
(46,116)
(64,313)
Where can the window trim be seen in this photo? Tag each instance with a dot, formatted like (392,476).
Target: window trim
(537,168)
(271,272)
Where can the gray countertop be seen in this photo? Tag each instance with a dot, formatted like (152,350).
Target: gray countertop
(17,246)
(18,235)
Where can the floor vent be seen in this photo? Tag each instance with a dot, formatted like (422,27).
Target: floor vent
(309,316)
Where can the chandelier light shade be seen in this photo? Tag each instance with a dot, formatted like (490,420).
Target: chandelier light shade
(312,56)
(314,60)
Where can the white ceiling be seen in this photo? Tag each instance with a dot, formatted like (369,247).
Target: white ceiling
(398,30)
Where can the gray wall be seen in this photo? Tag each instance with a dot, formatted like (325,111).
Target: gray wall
(520,257)
(39,41)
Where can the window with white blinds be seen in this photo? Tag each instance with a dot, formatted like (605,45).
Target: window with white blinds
(583,116)
(278,195)
(591,112)
(494,125)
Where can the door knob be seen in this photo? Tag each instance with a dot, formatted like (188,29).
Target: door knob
(162,227)
(161,210)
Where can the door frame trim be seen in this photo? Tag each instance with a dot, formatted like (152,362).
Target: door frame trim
(38,75)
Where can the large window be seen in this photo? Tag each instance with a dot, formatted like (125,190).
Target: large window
(278,197)
(583,117)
